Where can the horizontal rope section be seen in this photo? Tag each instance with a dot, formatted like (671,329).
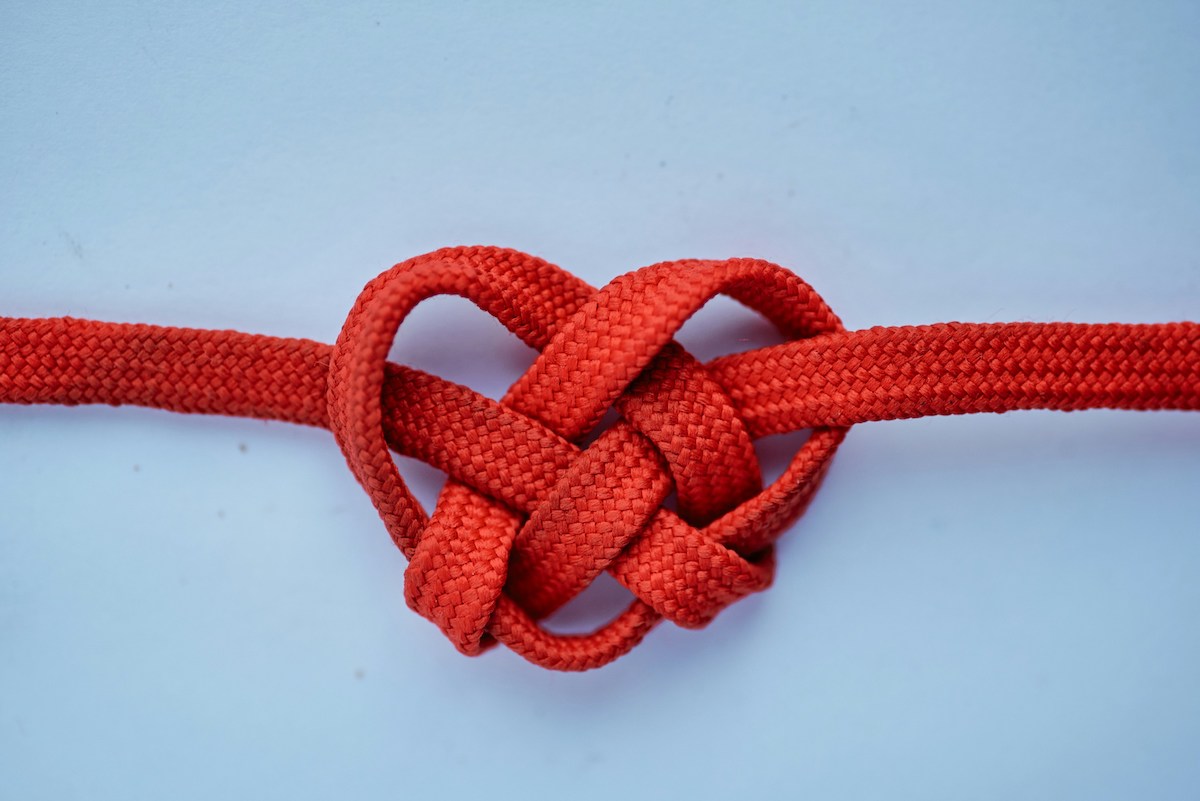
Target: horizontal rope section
(833,380)
(529,517)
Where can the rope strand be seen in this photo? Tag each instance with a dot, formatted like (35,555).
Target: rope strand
(528,518)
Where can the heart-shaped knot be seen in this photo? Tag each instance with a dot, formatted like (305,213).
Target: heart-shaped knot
(529,517)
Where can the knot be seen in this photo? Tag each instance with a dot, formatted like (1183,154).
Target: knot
(529,517)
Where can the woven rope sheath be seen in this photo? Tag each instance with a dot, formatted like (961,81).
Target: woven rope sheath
(528,518)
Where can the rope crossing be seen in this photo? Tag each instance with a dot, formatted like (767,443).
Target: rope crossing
(528,517)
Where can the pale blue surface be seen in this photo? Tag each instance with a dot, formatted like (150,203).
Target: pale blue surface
(987,607)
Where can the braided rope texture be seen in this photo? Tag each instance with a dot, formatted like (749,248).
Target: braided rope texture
(529,516)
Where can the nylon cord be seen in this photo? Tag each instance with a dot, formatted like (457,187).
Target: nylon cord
(527,518)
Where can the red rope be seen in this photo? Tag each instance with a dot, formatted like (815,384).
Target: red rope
(528,518)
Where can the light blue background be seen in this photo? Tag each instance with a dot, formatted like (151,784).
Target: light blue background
(986,607)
